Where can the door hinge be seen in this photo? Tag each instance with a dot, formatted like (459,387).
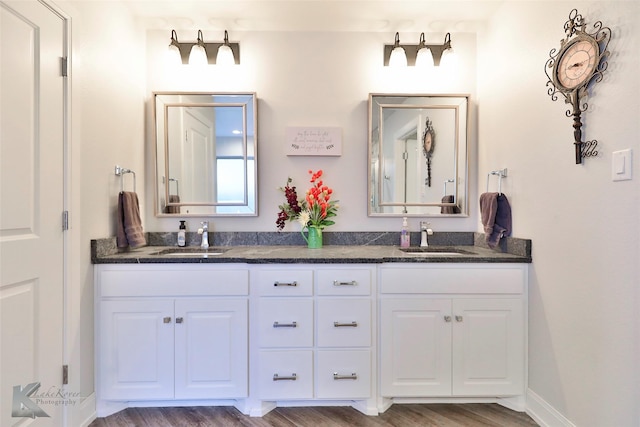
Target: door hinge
(64,66)
(65,220)
(65,374)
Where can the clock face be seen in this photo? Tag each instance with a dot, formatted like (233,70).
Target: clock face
(577,63)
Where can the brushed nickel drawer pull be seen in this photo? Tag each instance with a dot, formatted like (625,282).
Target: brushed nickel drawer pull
(337,376)
(294,283)
(285,325)
(179,320)
(458,318)
(447,319)
(353,324)
(293,377)
(339,283)
(166,319)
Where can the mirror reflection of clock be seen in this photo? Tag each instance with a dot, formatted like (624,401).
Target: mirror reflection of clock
(428,142)
(577,64)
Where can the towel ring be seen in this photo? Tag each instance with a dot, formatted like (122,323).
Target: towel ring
(120,172)
(447,181)
(502,173)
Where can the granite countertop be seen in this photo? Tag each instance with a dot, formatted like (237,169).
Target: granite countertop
(458,248)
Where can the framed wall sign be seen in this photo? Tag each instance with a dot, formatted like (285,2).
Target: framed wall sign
(314,141)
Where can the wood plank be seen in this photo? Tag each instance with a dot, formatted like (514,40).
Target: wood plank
(410,415)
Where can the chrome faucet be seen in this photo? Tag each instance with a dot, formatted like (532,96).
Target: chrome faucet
(424,232)
(205,234)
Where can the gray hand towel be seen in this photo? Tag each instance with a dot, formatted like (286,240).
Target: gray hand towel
(496,217)
(129,230)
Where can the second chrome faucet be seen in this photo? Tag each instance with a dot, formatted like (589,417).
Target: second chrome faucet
(425,231)
(204,231)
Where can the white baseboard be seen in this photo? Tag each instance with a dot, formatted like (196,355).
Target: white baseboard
(543,413)
(85,413)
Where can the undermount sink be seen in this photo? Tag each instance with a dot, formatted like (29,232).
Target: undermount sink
(190,252)
(434,251)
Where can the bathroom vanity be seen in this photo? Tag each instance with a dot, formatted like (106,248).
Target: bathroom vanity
(261,326)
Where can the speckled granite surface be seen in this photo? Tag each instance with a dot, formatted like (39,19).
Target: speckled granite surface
(289,247)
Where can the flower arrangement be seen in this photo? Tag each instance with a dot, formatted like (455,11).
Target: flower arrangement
(315,210)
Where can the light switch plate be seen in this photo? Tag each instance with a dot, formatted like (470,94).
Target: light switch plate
(621,165)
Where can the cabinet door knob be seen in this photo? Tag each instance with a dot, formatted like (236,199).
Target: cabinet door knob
(291,377)
(179,320)
(458,318)
(339,283)
(285,283)
(337,376)
(285,325)
(447,319)
(166,319)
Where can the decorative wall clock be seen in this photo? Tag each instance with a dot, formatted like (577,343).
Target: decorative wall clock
(579,63)
(428,145)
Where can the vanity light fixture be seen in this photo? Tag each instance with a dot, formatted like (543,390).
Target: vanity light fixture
(398,56)
(421,54)
(202,53)
(198,55)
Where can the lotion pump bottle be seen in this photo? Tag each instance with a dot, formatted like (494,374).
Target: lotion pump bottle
(405,237)
(182,234)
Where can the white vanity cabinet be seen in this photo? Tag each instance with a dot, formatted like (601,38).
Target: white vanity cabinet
(171,332)
(452,330)
(314,333)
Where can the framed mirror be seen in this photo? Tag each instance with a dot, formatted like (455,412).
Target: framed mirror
(206,154)
(418,155)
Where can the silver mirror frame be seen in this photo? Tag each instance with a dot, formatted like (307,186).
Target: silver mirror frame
(461,165)
(161,165)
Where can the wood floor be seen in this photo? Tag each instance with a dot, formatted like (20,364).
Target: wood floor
(414,415)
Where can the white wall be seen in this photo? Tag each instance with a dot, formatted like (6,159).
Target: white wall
(108,91)
(309,79)
(584,297)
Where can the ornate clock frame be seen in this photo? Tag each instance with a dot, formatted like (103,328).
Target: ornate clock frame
(586,75)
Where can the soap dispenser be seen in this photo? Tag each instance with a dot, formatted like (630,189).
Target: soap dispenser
(405,236)
(182,234)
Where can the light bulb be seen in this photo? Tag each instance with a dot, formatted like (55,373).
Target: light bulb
(398,57)
(424,58)
(225,56)
(198,56)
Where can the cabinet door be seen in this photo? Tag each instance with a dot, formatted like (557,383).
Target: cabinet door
(415,343)
(211,348)
(488,347)
(136,350)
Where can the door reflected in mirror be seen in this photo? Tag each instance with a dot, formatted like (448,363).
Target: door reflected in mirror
(206,154)
(418,155)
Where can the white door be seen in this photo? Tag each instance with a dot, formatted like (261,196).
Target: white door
(488,347)
(31,190)
(136,349)
(211,348)
(198,158)
(415,337)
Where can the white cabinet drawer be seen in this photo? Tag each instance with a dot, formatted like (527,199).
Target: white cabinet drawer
(158,281)
(285,322)
(285,282)
(344,322)
(344,282)
(286,374)
(344,374)
(458,279)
